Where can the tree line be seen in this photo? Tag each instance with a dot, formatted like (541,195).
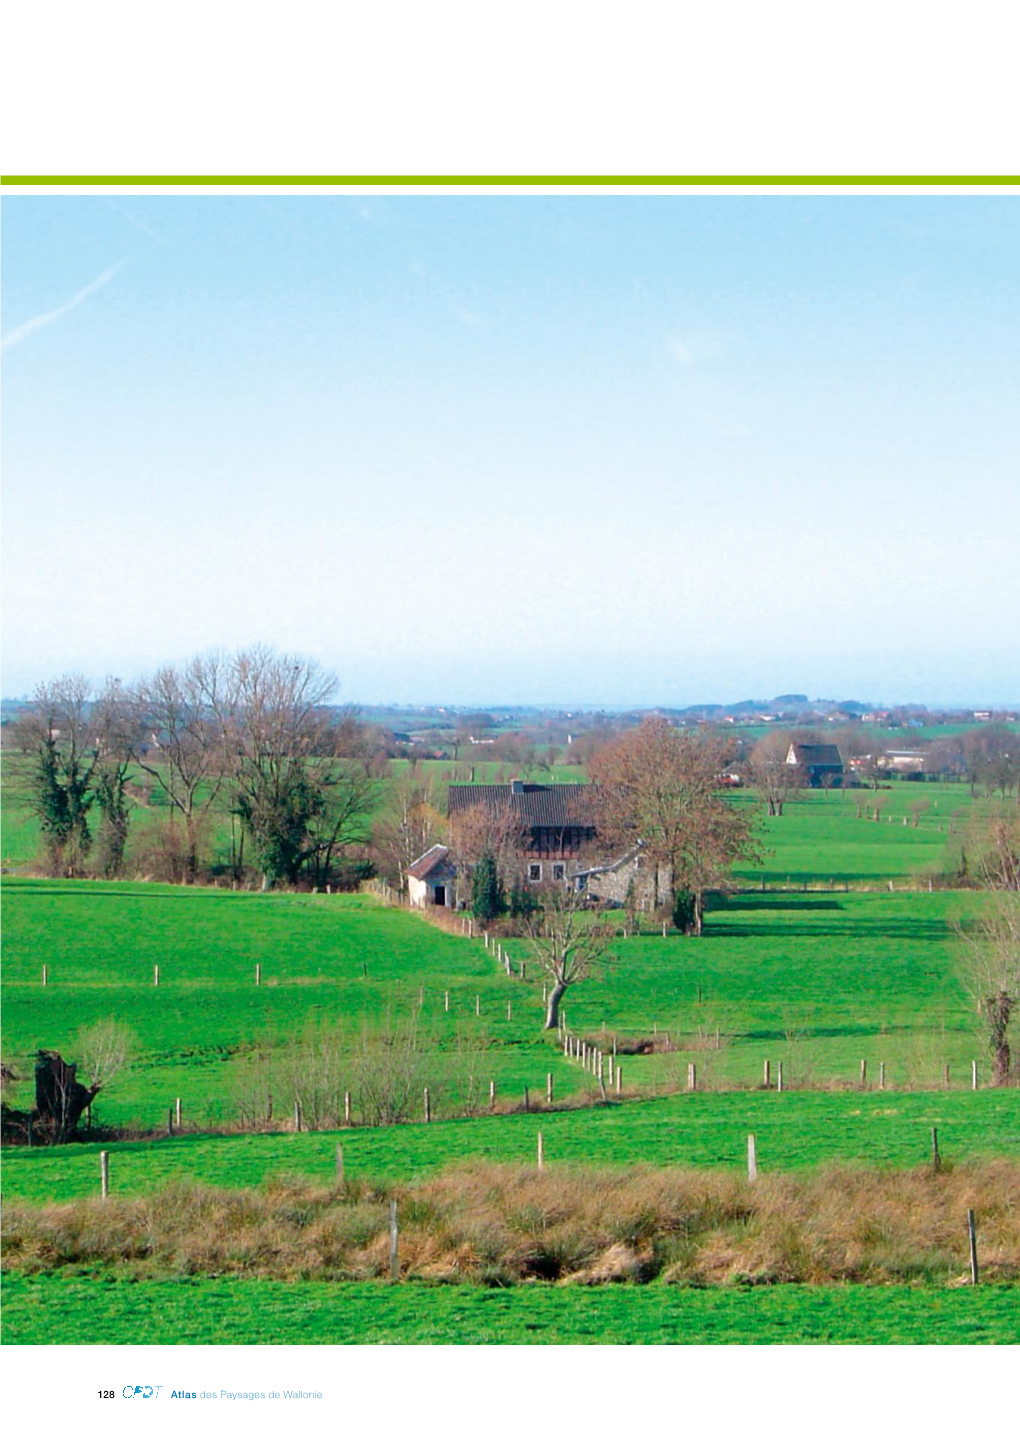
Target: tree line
(251,736)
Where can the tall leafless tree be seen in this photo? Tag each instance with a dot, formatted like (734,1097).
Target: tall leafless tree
(300,802)
(410,824)
(569,943)
(775,779)
(992,945)
(179,743)
(660,786)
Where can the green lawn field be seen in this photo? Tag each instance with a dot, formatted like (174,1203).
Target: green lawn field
(817,982)
(224,1310)
(792,1129)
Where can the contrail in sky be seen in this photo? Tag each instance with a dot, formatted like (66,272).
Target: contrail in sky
(22,332)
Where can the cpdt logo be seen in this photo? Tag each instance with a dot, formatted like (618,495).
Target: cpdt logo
(143,1391)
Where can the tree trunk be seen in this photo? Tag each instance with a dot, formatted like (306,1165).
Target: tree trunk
(1000,1009)
(60,1098)
(699,912)
(552,1009)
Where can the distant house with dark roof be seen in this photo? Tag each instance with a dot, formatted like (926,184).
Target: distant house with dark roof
(432,879)
(818,765)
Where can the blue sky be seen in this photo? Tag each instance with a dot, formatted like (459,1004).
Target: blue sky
(613,450)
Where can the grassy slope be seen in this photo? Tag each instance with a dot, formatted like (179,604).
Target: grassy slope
(792,1130)
(815,981)
(201,1310)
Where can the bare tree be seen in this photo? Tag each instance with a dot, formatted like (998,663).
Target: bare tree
(179,743)
(479,831)
(106,1049)
(569,942)
(411,823)
(993,943)
(659,786)
(774,778)
(300,802)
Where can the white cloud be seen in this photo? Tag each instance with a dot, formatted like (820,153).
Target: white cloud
(22,332)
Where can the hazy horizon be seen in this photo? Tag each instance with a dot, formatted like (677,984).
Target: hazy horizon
(622,448)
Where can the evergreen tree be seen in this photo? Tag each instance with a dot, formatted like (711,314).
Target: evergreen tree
(488,899)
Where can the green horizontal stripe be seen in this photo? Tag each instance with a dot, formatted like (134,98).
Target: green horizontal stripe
(679,180)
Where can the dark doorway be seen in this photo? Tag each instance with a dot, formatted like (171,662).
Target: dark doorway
(439,896)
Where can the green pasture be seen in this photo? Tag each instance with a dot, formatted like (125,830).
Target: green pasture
(792,1129)
(101,1309)
(816,981)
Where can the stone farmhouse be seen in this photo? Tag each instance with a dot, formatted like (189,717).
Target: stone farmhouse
(557,825)
(555,821)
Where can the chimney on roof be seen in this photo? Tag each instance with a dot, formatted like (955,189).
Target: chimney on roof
(516,786)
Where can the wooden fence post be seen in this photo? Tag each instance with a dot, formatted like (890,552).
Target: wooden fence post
(881,1076)
(541,1155)
(155,975)
(767,1074)
(936,1159)
(44,973)
(619,1079)
(478,1006)
(752,1159)
(973,1076)
(508,1010)
(258,973)
(692,1077)
(339,1164)
(492,1095)
(428,1106)
(177,1112)
(945,1076)
(864,1072)
(972,1233)
(347,1109)
(446,1001)
(548,1088)
(779,1077)
(612,1068)
(394,1245)
(104,1174)
(297,1115)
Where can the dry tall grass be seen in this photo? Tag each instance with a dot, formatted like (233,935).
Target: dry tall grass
(504,1225)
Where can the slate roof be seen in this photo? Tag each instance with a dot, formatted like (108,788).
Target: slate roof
(430,861)
(825,755)
(530,804)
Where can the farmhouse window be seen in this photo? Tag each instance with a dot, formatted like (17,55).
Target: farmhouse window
(559,871)
(535,871)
